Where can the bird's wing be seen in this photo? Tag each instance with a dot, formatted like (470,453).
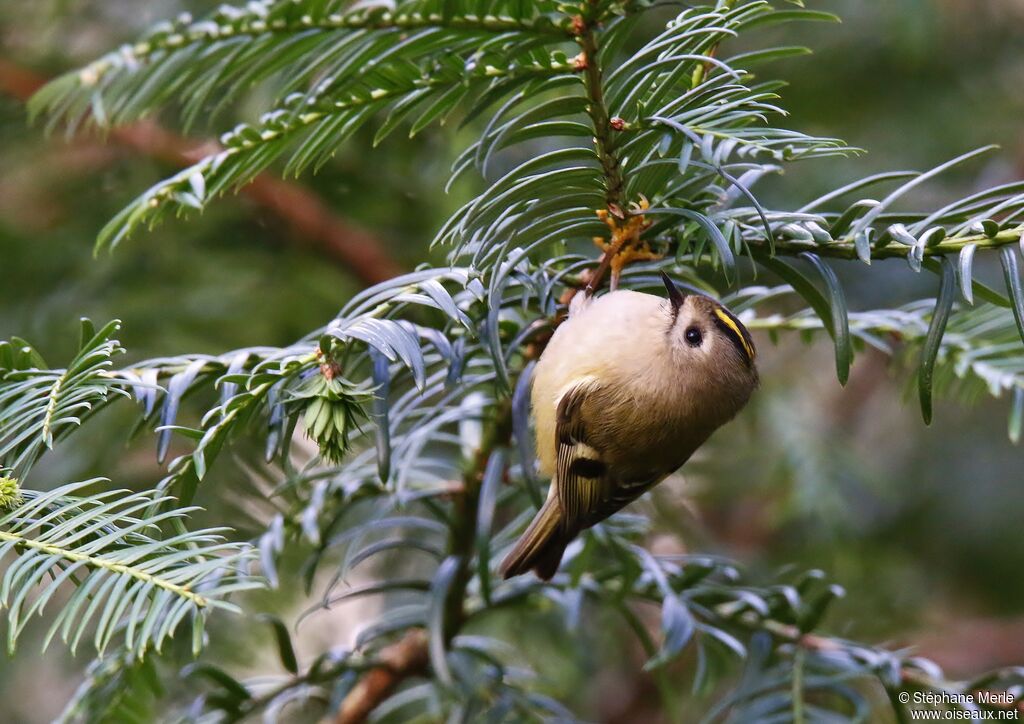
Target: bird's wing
(588,490)
(582,479)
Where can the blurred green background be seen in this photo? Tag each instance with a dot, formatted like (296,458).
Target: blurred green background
(920,524)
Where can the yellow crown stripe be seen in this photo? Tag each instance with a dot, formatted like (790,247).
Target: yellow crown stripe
(728,321)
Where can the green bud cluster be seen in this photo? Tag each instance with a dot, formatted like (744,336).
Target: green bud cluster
(10,492)
(333,408)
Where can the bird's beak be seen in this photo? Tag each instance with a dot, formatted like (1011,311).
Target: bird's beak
(674,295)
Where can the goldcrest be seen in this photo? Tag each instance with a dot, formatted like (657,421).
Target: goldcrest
(629,386)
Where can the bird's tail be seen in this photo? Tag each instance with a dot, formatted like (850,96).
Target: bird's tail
(541,546)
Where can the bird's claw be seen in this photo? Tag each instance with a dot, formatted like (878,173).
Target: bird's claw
(625,245)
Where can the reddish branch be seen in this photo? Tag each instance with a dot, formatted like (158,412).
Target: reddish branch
(312,222)
(407,657)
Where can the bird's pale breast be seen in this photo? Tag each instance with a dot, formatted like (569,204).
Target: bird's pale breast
(617,343)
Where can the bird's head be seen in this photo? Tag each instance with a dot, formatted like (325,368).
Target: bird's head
(710,342)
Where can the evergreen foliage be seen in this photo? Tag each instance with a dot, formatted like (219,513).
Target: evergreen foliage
(416,393)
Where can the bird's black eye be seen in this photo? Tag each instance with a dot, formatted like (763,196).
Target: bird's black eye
(694,337)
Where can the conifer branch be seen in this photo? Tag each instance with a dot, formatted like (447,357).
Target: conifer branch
(73,556)
(597,110)
(440,358)
(842,249)
(254,25)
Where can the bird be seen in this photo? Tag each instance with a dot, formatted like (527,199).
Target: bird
(629,386)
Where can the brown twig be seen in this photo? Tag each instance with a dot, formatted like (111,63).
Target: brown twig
(397,662)
(312,222)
